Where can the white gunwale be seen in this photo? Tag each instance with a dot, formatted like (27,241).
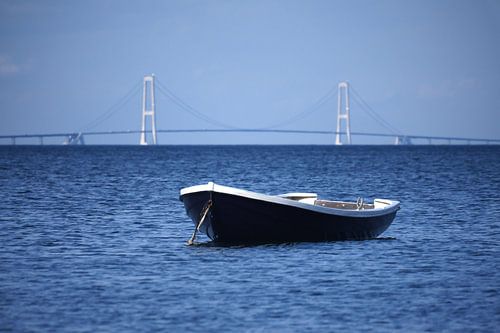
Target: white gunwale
(382,207)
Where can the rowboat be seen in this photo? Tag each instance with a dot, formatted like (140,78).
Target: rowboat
(231,215)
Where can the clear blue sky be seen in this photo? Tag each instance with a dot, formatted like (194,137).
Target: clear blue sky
(427,67)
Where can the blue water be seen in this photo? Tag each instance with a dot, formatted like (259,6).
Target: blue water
(93,239)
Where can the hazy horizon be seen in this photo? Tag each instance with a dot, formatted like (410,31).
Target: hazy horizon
(426,67)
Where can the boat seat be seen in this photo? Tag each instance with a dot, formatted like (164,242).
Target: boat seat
(308,198)
(310,201)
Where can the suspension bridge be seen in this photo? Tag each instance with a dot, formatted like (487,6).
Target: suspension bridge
(148,134)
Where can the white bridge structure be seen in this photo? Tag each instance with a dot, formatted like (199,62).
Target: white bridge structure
(148,134)
(148,109)
(343,114)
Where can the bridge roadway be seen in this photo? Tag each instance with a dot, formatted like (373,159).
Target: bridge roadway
(77,137)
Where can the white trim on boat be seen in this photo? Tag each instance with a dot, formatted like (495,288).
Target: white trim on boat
(382,206)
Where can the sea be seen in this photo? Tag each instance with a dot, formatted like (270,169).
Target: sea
(93,239)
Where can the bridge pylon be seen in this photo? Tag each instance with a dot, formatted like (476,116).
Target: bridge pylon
(343,114)
(148,108)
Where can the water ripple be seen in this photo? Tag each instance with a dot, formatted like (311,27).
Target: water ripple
(93,239)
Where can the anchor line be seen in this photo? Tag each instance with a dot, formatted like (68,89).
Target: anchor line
(203,215)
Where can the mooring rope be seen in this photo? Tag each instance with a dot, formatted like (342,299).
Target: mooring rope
(203,215)
(359,203)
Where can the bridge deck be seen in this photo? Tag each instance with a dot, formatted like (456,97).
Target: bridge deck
(80,135)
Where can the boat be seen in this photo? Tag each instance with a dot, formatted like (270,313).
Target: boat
(231,215)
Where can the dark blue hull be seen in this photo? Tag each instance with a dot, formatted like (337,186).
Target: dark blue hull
(239,219)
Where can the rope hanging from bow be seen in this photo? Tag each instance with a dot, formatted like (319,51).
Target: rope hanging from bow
(203,215)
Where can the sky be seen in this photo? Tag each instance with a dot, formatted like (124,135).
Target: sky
(425,67)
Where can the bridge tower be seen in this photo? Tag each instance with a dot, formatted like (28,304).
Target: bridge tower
(343,113)
(148,108)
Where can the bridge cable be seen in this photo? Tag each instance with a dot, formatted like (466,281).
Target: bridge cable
(370,112)
(200,115)
(114,108)
(332,93)
(188,108)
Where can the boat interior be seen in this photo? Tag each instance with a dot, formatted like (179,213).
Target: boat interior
(312,199)
(359,205)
